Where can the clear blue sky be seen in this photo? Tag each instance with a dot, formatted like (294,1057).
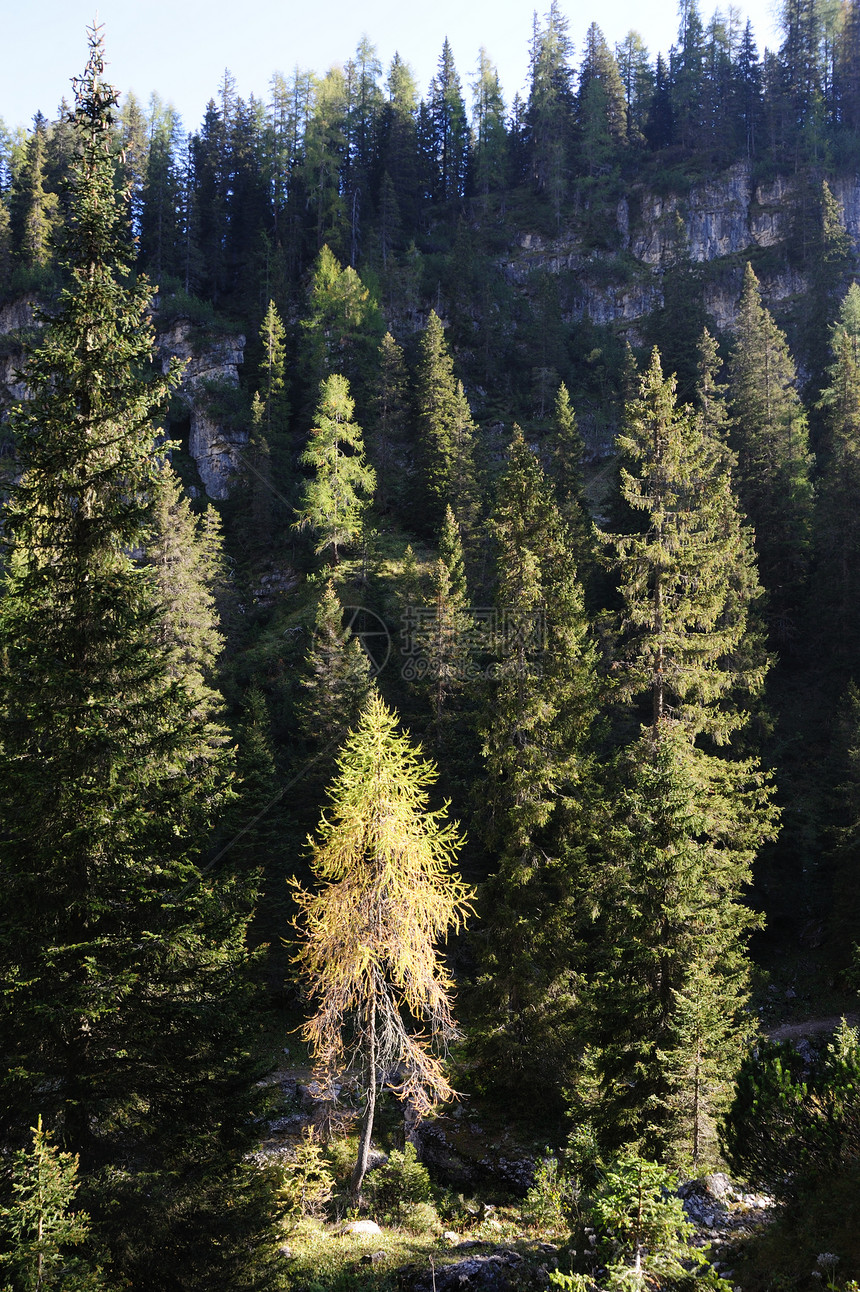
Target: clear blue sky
(180,48)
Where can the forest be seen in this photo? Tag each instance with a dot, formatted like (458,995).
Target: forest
(429,718)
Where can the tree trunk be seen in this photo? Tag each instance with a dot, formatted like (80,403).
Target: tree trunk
(369,1108)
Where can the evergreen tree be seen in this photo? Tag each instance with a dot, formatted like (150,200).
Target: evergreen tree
(33,209)
(537,720)
(448,138)
(442,640)
(337,681)
(368,951)
(125,996)
(768,433)
(445,432)
(387,442)
(836,584)
(186,555)
(334,501)
(565,471)
(600,107)
(669,997)
(343,328)
(272,373)
(39,1228)
(488,128)
(637,78)
(550,107)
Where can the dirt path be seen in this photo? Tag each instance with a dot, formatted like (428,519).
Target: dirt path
(811,1027)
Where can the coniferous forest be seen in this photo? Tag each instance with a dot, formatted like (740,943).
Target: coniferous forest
(429,664)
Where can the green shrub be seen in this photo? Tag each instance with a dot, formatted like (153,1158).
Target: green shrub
(551,1202)
(418,1217)
(308,1184)
(401,1182)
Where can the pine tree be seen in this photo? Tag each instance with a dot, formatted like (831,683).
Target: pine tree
(442,641)
(39,1228)
(445,432)
(387,442)
(123,959)
(670,993)
(337,680)
(768,433)
(368,952)
(536,726)
(334,501)
(836,583)
(273,391)
(185,552)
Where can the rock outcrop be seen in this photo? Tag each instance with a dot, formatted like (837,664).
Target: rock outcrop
(212,361)
(716,224)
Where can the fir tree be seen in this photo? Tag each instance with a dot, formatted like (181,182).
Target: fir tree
(536,726)
(768,433)
(835,595)
(39,1228)
(368,953)
(669,996)
(123,959)
(445,432)
(335,499)
(337,680)
(273,392)
(387,443)
(442,640)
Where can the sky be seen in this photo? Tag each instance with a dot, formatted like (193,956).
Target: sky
(180,48)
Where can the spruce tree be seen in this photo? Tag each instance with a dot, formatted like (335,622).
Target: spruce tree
(768,433)
(273,392)
(565,470)
(39,1228)
(442,641)
(336,682)
(669,995)
(125,1008)
(538,712)
(386,444)
(835,587)
(335,499)
(186,554)
(445,433)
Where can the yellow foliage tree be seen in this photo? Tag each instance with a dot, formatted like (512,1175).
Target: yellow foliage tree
(369,934)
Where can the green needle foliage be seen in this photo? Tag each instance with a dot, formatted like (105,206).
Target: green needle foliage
(123,961)
(769,434)
(539,709)
(835,593)
(689,817)
(445,433)
(335,499)
(389,893)
(39,1228)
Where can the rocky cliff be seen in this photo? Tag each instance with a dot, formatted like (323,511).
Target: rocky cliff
(212,361)
(717,223)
